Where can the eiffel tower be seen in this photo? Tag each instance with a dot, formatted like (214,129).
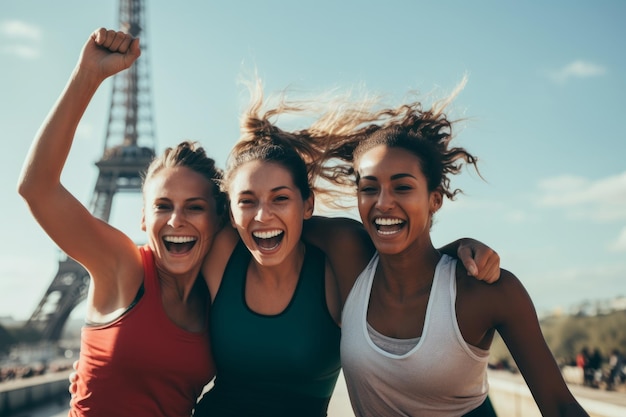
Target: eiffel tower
(128,149)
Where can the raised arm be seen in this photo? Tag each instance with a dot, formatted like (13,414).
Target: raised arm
(90,241)
(518,325)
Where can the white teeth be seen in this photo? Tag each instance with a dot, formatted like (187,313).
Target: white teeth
(387,221)
(179,239)
(267,234)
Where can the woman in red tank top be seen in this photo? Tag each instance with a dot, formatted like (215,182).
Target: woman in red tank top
(145,350)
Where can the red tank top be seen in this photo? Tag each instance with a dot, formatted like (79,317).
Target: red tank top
(142,364)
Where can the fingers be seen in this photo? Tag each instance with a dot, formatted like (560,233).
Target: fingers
(114,41)
(72,378)
(466,256)
(479,260)
(108,52)
(488,264)
(134,51)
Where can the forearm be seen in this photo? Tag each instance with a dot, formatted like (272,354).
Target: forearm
(573,409)
(48,153)
(479,260)
(451,248)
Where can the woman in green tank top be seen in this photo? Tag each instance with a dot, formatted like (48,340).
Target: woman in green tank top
(275,303)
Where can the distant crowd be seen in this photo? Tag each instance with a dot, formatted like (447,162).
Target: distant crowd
(16,371)
(599,371)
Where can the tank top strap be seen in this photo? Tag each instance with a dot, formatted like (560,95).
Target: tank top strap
(150,284)
(234,278)
(313,268)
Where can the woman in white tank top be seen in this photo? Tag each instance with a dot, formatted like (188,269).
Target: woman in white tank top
(416,332)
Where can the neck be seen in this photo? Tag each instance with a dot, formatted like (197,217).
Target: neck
(285,272)
(181,287)
(410,273)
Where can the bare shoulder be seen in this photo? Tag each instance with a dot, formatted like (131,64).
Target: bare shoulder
(346,244)
(503,301)
(507,282)
(497,297)
(338,235)
(483,308)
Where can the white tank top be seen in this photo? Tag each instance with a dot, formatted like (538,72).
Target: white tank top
(440,376)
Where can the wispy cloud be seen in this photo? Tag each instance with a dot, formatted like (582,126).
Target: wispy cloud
(619,245)
(602,200)
(577,69)
(19,39)
(19,30)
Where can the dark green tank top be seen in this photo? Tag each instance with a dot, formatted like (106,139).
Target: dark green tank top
(280,365)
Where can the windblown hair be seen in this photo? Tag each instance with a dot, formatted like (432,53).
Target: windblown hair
(193,156)
(425,133)
(298,151)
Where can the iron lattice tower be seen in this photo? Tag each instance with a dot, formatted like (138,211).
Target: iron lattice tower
(129,146)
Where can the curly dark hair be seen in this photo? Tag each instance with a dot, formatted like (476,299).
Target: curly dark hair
(425,133)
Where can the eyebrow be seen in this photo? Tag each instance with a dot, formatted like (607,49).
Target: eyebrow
(393,177)
(273,190)
(402,175)
(186,200)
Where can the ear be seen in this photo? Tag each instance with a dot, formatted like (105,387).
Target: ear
(436,200)
(309,206)
(143,219)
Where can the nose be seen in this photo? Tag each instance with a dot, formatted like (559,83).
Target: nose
(385,201)
(177,218)
(263,213)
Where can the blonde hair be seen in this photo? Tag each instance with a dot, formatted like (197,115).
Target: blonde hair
(193,156)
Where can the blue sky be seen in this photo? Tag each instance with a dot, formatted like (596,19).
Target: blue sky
(545,102)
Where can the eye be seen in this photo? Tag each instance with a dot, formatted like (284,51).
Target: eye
(281,198)
(162,206)
(366,189)
(245,202)
(404,187)
(196,207)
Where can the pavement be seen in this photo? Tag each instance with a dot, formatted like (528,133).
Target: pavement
(511,397)
(509,394)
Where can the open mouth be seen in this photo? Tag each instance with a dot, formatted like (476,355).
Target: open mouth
(179,244)
(268,240)
(388,226)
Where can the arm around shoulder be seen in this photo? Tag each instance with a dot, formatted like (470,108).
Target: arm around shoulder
(346,244)
(479,260)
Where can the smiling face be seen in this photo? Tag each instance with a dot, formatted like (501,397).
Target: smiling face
(267,209)
(393,198)
(180,219)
